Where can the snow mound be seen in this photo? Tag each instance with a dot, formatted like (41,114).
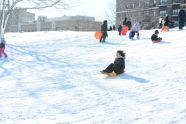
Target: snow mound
(54,78)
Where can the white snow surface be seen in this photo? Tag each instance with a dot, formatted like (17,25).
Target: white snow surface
(54,78)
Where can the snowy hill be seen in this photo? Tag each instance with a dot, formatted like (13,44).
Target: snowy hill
(54,78)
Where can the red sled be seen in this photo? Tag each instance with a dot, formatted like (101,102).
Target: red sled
(113,74)
(98,35)
(124,30)
(165,28)
(156,41)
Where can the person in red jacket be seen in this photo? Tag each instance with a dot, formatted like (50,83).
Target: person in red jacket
(2,47)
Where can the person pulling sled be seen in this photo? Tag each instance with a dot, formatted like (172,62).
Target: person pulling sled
(104,31)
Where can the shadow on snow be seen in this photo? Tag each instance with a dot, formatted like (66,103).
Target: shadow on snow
(130,77)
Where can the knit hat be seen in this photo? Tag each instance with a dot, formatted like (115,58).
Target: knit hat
(156,31)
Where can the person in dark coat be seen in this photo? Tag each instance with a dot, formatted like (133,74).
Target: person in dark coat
(161,22)
(166,24)
(119,64)
(110,28)
(182,17)
(129,24)
(167,21)
(114,27)
(125,21)
(155,37)
(104,31)
(119,29)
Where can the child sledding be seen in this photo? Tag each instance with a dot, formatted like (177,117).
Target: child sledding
(117,67)
(155,38)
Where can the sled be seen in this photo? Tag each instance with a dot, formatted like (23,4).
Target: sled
(98,34)
(156,41)
(124,30)
(112,74)
(165,28)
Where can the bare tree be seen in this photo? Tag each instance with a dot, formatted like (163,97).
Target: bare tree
(8,6)
(111,12)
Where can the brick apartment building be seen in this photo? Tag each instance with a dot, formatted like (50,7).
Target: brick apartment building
(148,11)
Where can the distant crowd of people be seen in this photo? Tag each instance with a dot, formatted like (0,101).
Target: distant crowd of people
(164,25)
(118,67)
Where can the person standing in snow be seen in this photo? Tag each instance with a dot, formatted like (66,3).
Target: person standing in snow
(119,64)
(166,24)
(125,22)
(114,27)
(119,29)
(110,28)
(167,21)
(182,17)
(129,24)
(135,29)
(155,37)
(2,47)
(104,31)
(161,22)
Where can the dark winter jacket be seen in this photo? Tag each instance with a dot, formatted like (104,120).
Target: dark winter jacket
(119,28)
(155,37)
(129,24)
(182,18)
(182,15)
(119,65)
(125,21)
(110,28)
(167,21)
(104,29)
(2,44)
(114,27)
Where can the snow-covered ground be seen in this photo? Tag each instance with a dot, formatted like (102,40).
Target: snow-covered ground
(54,78)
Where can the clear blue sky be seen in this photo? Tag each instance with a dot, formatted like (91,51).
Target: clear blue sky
(95,8)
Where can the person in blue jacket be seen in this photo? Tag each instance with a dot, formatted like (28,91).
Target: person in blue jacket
(119,29)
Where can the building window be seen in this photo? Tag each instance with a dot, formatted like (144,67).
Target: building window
(146,4)
(176,1)
(163,12)
(163,2)
(153,13)
(146,13)
(132,5)
(137,5)
(176,11)
(16,16)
